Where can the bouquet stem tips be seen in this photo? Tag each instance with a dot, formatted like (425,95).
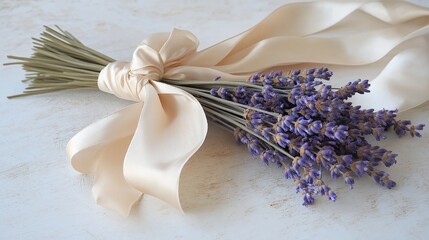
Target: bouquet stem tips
(59,62)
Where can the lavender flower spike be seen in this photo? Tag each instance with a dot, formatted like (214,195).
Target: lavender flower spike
(302,125)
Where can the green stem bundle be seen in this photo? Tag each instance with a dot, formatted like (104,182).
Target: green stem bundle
(60,62)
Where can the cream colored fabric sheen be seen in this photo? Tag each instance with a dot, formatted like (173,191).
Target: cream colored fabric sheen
(143,148)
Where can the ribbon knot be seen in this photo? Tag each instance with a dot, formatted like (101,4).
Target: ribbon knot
(152,60)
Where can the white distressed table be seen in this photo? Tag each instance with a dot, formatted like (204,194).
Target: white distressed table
(226,193)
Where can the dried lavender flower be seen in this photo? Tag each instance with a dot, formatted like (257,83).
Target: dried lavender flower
(306,127)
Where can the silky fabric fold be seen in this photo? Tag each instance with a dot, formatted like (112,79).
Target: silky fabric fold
(143,148)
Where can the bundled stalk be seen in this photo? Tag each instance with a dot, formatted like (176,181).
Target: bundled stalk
(60,62)
(292,120)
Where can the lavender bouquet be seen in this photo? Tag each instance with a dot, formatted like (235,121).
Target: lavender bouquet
(295,120)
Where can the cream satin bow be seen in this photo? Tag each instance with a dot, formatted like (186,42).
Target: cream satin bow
(143,148)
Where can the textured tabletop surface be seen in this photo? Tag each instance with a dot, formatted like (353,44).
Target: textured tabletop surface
(226,193)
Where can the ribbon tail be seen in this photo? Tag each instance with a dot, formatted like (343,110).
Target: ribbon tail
(403,82)
(100,149)
(171,128)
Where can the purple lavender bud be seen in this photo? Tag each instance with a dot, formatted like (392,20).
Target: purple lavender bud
(278,74)
(352,88)
(257,98)
(390,184)
(340,132)
(256,121)
(240,91)
(288,122)
(301,126)
(283,80)
(307,101)
(301,184)
(337,171)
(332,195)
(327,75)
(308,199)
(415,134)
(401,127)
(296,72)
(324,73)
(225,93)
(280,157)
(413,130)
(378,177)
(282,139)
(254,78)
(305,151)
(385,117)
(377,132)
(256,114)
(269,78)
(329,130)
(268,93)
(311,71)
(240,136)
(315,126)
(271,74)
(348,159)
(267,133)
(326,154)
(266,156)
(323,107)
(323,189)
(310,78)
(288,173)
(213,92)
(325,91)
(382,178)
(304,162)
(420,127)
(364,152)
(353,132)
(315,173)
(389,158)
(348,179)
(270,119)
(364,128)
(362,87)
(255,149)
(291,174)
(295,143)
(295,92)
(360,167)
(278,129)
(216,78)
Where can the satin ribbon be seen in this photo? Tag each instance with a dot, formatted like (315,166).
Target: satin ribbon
(143,148)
